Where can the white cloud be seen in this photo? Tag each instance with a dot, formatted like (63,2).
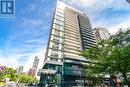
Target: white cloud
(24,44)
(99,5)
(28,36)
(32,22)
(123,24)
(13,60)
(10,61)
(40,53)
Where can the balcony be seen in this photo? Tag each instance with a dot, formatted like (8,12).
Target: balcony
(74,72)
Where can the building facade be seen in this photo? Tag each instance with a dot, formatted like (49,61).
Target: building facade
(19,69)
(35,63)
(71,32)
(33,70)
(101,33)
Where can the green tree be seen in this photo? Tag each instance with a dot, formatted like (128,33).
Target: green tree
(120,61)
(109,57)
(10,73)
(97,66)
(2,72)
(27,79)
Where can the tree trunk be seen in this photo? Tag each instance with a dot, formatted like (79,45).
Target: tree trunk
(124,75)
(126,80)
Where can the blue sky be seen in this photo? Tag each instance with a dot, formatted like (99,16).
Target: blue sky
(26,35)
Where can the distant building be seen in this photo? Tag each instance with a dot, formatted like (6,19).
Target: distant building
(35,63)
(101,33)
(33,70)
(19,69)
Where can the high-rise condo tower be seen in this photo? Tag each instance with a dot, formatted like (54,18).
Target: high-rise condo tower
(71,32)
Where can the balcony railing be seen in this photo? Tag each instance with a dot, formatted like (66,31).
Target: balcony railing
(74,72)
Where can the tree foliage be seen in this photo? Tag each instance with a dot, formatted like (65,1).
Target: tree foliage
(27,79)
(8,73)
(109,57)
(13,76)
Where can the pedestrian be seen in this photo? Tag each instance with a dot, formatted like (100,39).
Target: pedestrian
(118,83)
(113,81)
